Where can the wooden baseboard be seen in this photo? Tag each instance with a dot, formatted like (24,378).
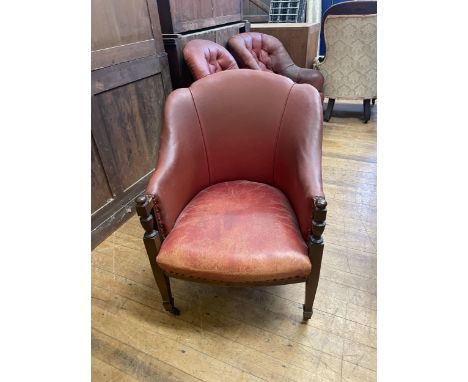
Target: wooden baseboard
(112,216)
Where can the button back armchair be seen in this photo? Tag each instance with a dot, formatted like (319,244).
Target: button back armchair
(237,198)
(260,51)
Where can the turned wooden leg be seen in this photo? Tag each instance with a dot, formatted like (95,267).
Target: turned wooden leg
(328,112)
(367,110)
(315,254)
(152,240)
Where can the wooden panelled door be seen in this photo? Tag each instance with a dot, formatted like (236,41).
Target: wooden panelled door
(179,16)
(130,81)
(256,11)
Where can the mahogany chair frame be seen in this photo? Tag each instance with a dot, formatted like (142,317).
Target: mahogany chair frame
(152,240)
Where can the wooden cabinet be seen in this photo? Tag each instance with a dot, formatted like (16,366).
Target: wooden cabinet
(130,81)
(174,45)
(299,39)
(182,21)
(178,16)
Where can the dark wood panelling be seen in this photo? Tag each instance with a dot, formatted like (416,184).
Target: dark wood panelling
(132,124)
(179,16)
(118,75)
(155,25)
(122,53)
(101,193)
(227,11)
(130,82)
(256,11)
(257,18)
(119,22)
(111,216)
(222,35)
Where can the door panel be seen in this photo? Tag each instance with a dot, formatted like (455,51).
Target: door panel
(130,81)
(180,16)
(132,124)
(119,22)
(101,193)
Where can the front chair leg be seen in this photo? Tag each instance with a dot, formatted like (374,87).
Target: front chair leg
(152,240)
(328,112)
(315,254)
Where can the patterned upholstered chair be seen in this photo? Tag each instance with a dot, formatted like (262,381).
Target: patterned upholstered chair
(350,64)
(205,57)
(260,51)
(237,196)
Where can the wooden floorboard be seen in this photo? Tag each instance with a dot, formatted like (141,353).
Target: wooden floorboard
(252,334)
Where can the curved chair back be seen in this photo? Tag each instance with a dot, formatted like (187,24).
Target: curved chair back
(205,57)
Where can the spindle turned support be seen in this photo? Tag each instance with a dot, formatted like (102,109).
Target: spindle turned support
(152,240)
(315,246)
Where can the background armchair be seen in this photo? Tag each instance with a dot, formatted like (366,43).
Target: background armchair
(259,51)
(350,64)
(205,57)
(237,197)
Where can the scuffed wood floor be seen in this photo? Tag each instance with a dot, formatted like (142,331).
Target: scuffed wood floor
(252,334)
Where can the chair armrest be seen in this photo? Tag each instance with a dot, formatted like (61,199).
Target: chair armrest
(298,161)
(182,170)
(305,76)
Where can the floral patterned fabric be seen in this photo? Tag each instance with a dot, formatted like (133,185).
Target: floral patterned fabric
(350,65)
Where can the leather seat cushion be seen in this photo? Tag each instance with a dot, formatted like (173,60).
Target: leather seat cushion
(236,232)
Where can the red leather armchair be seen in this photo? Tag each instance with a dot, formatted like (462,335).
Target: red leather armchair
(237,197)
(205,57)
(261,51)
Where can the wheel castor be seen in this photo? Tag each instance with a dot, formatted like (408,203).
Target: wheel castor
(175,311)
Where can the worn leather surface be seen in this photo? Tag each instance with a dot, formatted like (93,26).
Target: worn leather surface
(239,125)
(259,51)
(182,169)
(237,231)
(204,57)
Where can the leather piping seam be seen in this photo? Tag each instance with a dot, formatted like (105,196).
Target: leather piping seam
(203,137)
(278,132)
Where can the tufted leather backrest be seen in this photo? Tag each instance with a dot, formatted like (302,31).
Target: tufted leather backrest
(259,51)
(205,57)
(240,125)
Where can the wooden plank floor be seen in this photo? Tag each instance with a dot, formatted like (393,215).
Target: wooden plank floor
(252,334)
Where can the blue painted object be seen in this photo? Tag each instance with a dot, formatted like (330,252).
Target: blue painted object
(325,5)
